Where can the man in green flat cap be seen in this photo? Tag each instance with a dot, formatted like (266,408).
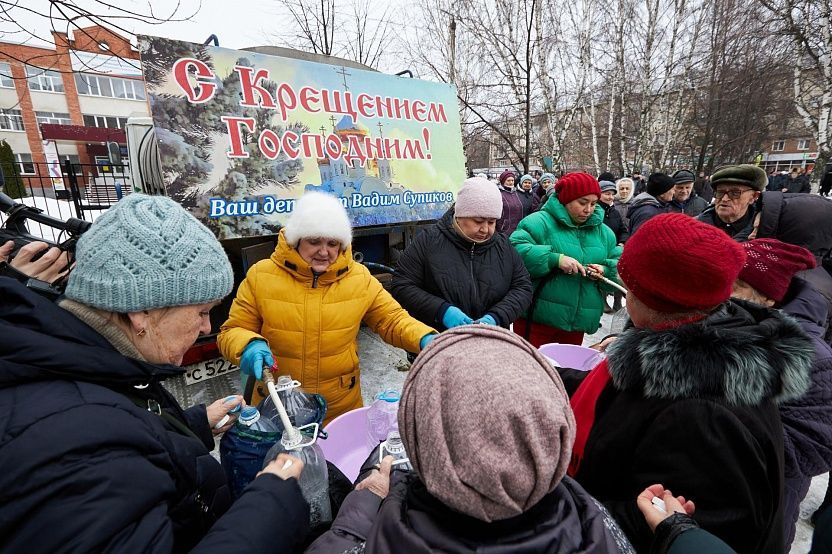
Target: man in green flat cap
(736,190)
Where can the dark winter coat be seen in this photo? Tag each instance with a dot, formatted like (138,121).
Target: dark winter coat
(512,211)
(807,421)
(703,188)
(85,468)
(642,208)
(679,534)
(441,268)
(797,185)
(567,302)
(612,219)
(527,199)
(695,409)
(739,230)
(411,520)
(622,208)
(539,197)
(693,207)
(804,220)
(775,183)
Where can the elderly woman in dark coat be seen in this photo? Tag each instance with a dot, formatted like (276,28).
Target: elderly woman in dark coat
(688,396)
(768,278)
(489,455)
(461,271)
(95,454)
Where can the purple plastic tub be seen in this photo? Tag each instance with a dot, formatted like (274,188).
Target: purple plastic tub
(346,445)
(572,356)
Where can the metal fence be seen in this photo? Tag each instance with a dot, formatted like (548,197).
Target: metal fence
(82,190)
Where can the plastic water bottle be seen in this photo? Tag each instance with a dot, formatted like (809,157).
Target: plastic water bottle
(302,408)
(382,417)
(244,447)
(394,446)
(314,480)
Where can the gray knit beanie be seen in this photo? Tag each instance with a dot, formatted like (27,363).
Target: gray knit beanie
(147,252)
(478,197)
(489,434)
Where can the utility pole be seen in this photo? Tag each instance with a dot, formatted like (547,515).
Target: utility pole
(452,48)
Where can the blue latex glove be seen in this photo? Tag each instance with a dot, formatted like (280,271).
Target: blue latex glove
(426,340)
(255,355)
(487,319)
(454,317)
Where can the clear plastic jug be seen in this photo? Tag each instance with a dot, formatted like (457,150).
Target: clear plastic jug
(382,417)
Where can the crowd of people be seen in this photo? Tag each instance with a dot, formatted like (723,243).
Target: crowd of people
(719,389)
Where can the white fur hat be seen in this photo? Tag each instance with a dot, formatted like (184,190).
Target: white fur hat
(318,215)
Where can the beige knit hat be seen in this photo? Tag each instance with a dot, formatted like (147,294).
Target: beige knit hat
(489,434)
(479,197)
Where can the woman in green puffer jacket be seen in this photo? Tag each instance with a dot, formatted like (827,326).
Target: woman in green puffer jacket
(563,246)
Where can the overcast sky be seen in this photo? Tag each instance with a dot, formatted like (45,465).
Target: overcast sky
(238,24)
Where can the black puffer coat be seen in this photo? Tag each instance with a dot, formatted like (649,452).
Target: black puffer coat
(804,220)
(441,268)
(643,208)
(613,220)
(695,409)
(411,520)
(85,468)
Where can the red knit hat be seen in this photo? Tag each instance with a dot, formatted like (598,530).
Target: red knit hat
(574,185)
(771,264)
(678,264)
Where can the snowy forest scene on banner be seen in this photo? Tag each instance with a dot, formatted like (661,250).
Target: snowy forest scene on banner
(242,135)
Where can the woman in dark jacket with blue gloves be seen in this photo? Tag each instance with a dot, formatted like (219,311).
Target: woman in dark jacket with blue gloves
(95,454)
(461,271)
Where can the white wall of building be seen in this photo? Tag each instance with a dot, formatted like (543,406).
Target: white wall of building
(49,101)
(17,140)
(8,98)
(95,105)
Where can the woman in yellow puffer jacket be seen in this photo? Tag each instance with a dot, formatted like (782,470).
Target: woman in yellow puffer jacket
(305,305)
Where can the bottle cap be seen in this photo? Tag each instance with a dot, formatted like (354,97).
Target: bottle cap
(249,415)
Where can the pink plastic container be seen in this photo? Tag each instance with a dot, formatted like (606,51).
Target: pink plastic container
(572,356)
(346,445)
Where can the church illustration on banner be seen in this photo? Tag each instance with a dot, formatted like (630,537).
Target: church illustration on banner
(341,178)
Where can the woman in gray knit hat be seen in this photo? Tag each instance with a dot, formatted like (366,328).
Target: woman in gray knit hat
(95,454)
(489,430)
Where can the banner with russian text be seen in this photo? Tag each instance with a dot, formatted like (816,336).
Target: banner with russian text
(242,135)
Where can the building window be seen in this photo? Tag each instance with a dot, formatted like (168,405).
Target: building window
(6,80)
(74,159)
(778,146)
(803,144)
(109,121)
(109,87)
(54,118)
(44,80)
(25,164)
(11,120)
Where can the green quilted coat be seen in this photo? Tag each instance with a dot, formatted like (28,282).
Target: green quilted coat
(567,302)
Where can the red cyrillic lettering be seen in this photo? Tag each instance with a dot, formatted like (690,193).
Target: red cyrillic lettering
(205,85)
(249,83)
(234,125)
(269,144)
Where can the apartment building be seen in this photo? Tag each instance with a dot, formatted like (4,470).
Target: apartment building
(67,102)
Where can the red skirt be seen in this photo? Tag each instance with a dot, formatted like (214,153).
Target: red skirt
(543,334)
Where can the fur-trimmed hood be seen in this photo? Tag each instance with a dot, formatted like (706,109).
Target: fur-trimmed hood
(741,354)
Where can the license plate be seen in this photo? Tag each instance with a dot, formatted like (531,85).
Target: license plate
(203,371)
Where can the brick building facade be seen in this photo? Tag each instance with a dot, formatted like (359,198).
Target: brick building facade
(90,80)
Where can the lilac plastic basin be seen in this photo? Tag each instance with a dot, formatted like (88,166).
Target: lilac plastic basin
(346,446)
(572,356)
